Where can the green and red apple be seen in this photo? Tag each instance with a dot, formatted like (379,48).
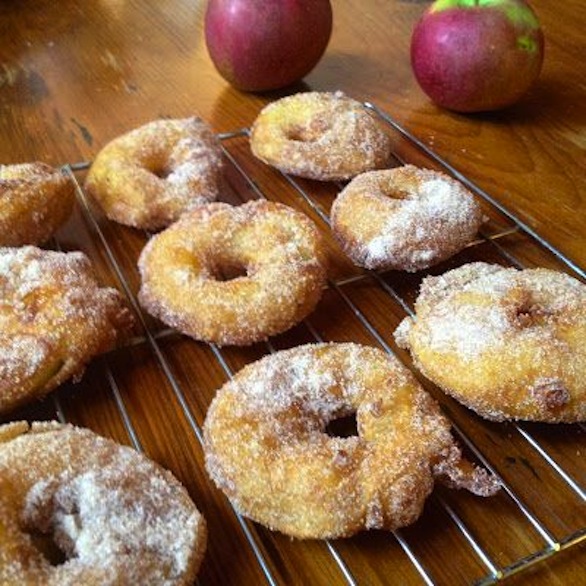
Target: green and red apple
(477,55)
(259,45)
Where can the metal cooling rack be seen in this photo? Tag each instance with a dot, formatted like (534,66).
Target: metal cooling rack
(494,239)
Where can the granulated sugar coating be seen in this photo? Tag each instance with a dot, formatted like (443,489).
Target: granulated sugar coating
(148,177)
(267,448)
(508,343)
(54,318)
(35,200)
(234,275)
(320,135)
(115,516)
(404,218)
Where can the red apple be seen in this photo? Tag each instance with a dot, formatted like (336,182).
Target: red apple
(259,45)
(477,55)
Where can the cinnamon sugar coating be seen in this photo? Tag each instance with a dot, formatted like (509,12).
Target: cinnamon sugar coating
(234,275)
(320,135)
(267,448)
(507,343)
(404,218)
(35,199)
(149,176)
(54,318)
(77,508)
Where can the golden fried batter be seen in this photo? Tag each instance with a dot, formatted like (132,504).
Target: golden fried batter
(234,275)
(115,516)
(35,200)
(53,319)
(508,343)
(405,218)
(149,176)
(267,448)
(320,135)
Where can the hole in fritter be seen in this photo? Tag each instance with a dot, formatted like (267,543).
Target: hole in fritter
(47,546)
(310,132)
(53,526)
(343,426)
(398,194)
(297,133)
(162,171)
(528,314)
(158,165)
(229,271)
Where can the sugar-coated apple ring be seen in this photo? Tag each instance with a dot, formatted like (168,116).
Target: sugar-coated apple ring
(404,218)
(267,448)
(35,200)
(77,508)
(149,176)
(54,318)
(320,135)
(234,275)
(508,343)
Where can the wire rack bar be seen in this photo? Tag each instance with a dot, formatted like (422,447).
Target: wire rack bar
(417,563)
(551,461)
(472,542)
(123,411)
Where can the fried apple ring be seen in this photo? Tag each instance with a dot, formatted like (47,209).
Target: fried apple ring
(149,176)
(35,200)
(267,449)
(234,275)
(320,135)
(53,319)
(405,218)
(507,343)
(77,508)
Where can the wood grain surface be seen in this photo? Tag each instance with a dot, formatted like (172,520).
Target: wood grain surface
(74,75)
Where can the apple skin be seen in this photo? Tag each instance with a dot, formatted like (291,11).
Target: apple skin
(474,56)
(259,45)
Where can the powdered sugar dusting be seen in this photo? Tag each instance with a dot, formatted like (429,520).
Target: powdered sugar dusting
(186,171)
(469,333)
(21,357)
(239,274)
(117,517)
(471,314)
(404,218)
(319,135)
(35,200)
(151,175)
(491,335)
(266,446)
(53,319)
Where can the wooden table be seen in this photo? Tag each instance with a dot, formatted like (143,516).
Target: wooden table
(74,75)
